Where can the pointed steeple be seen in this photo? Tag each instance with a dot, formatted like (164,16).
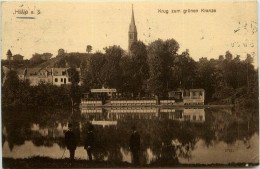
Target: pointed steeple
(132,27)
(132,33)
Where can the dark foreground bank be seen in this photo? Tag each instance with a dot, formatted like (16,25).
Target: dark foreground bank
(45,162)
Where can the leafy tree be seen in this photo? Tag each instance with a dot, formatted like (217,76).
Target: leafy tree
(111,70)
(61,52)
(10,88)
(74,89)
(2,74)
(89,48)
(39,58)
(139,66)
(74,75)
(94,76)
(206,76)
(128,82)
(160,54)
(228,56)
(183,71)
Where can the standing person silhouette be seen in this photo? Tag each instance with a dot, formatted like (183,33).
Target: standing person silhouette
(89,142)
(135,145)
(71,142)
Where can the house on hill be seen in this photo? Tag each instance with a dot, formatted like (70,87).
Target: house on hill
(45,75)
(31,74)
(60,76)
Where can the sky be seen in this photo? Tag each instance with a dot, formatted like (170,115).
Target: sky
(74,25)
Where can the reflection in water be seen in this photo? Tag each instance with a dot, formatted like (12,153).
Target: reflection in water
(114,114)
(168,136)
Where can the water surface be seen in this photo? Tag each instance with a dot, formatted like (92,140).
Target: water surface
(194,136)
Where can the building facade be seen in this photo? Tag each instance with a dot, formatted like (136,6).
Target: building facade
(54,76)
(60,76)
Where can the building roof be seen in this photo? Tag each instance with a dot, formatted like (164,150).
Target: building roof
(32,71)
(58,71)
(45,69)
(9,53)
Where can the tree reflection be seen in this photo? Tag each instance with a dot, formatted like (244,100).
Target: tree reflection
(167,139)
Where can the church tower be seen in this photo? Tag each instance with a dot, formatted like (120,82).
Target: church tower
(132,33)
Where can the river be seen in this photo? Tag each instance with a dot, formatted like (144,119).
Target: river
(186,136)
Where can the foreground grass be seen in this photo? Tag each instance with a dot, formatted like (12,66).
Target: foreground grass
(45,162)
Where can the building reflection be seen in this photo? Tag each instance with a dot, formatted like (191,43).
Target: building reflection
(168,135)
(113,114)
(54,132)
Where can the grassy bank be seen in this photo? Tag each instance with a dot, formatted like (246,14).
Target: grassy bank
(45,162)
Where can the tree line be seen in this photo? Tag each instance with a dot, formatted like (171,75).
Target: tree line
(158,68)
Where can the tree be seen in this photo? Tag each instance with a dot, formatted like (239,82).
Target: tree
(160,54)
(74,76)
(89,48)
(10,88)
(61,52)
(94,75)
(39,58)
(2,74)
(139,66)
(183,71)
(128,82)
(111,70)
(248,61)
(206,76)
(74,89)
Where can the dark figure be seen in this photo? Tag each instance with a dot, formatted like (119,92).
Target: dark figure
(135,145)
(89,142)
(70,140)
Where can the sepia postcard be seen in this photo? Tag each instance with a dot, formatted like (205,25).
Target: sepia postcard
(96,84)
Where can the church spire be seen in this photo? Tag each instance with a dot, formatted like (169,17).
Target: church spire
(132,31)
(132,27)
(133,17)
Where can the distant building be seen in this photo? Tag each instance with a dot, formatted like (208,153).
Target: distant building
(45,75)
(132,33)
(10,56)
(60,76)
(195,96)
(191,96)
(31,74)
(55,76)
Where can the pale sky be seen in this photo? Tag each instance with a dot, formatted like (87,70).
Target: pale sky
(74,25)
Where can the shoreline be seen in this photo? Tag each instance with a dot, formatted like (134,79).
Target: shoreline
(161,106)
(46,162)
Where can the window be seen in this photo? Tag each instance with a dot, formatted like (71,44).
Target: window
(69,80)
(63,73)
(56,79)
(61,79)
